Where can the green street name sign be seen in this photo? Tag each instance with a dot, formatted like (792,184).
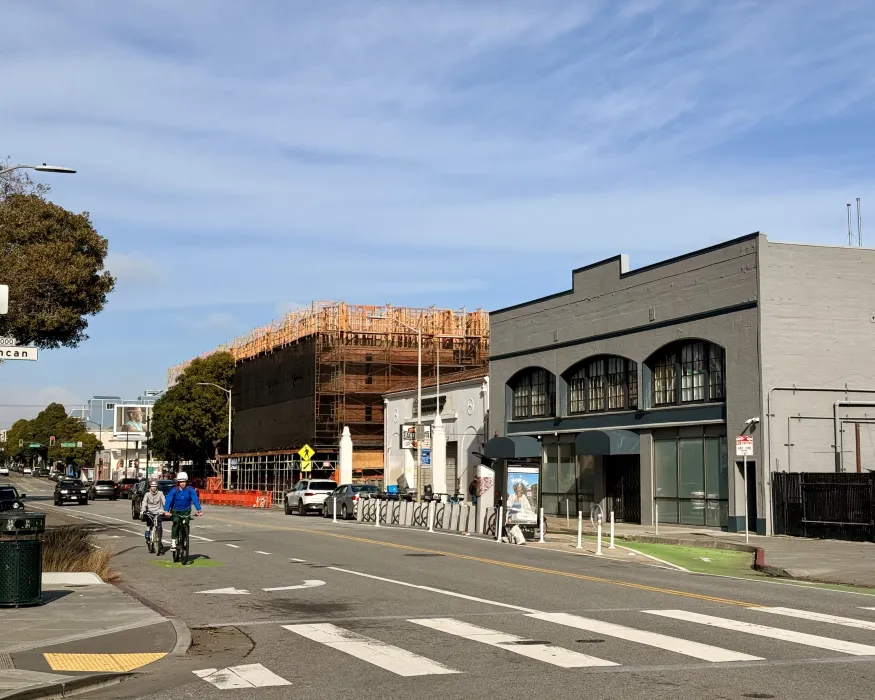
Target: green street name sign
(34,445)
(68,444)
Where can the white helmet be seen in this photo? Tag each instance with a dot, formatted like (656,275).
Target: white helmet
(182,476)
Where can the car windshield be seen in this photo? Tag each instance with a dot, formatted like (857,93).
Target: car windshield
(128,481)
(69,484)
(106,483)
(7,493)
(364,488)
(323,485)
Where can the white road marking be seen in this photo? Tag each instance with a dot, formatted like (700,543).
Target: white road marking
(117,520)
(265,553)
(313,583)
(434,590)
(393,659)
(867,608)
(705,652)
(811,640)
(246,676)
(235,546)
(298,561)
(705,559)
(227,591)
(557,656)
(820,617)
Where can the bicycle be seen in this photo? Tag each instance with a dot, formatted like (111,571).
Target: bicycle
(155,534)
(180,554)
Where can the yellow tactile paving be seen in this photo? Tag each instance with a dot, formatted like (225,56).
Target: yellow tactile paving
(100,663)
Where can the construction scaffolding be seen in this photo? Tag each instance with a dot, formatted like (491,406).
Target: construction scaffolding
(348,357)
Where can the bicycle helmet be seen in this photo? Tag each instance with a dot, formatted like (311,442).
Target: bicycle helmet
(153,484)
(182,476)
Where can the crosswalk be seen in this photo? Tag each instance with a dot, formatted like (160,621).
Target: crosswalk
(666,633)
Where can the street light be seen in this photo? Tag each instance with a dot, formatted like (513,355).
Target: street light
(41,168)
(227,391)
(418,332)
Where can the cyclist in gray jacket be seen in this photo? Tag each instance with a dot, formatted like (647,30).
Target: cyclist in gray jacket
(152,509)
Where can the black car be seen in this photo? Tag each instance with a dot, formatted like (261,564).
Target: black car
(104,489)
(67,491)
(139,492)
(10,499)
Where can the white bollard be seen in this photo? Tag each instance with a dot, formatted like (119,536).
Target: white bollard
(580,529)
(498,524)
(430,517)
(598,544)
(334,512)
(567,515)
(611,546)
(656,517)
(377,523)
(541,514)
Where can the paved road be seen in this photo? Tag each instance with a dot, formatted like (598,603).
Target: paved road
(402,613)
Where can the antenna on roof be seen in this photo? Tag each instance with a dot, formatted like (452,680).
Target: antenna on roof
(859,225)
(850,232)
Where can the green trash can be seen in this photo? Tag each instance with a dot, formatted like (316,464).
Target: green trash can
(21,558)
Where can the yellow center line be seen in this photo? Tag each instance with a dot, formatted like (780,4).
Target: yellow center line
(507,564)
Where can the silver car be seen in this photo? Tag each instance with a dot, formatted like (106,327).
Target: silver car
(347,495)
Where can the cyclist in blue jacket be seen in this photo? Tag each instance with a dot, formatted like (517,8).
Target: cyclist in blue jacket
(178,505)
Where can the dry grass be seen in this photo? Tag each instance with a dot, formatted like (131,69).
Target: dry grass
(73,548)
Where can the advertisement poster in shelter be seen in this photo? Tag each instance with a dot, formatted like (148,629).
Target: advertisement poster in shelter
(521,496)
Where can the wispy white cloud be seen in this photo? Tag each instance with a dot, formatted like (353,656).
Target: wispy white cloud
(25,402)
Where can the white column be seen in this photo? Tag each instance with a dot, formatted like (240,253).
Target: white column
(438,456)
(345,454)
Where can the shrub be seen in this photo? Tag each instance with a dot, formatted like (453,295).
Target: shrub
(73,548)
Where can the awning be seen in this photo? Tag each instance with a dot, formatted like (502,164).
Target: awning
(608,442)
(520,447)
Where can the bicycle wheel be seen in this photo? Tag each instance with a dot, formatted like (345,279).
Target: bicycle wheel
(183,546)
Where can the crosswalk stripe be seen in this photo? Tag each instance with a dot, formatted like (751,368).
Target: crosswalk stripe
(705,652)
(867,608)
(811,640)
(236,677)
(557,656)
(820,617)
(372,651)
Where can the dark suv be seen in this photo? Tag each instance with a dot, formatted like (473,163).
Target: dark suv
(139,492)
(68,490)
(10,499)
(104,488)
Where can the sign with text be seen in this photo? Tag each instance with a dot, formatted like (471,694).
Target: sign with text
(744,446)
(4,298)
(6,341)
(17,353)
(408,436)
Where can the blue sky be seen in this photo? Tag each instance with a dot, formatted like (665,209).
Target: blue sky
(247,158)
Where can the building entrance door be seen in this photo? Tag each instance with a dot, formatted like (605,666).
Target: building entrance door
(623,487)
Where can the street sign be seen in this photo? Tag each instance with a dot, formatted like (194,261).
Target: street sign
(426,457)
(79,443)
(306,466)
(34,445)
(7,341)
(4,298)
(18,353)
(68,444)
(306,453)
(744,446)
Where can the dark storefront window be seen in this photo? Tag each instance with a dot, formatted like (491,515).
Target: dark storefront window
(534,394)
(689,372)
(692,481)
(568,482)
(603,384)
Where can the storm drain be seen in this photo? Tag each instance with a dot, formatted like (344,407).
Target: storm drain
(6,662)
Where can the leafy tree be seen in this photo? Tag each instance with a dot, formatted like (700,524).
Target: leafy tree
(52,421)
(52,261)
(189,421)
(19,182)
(17,433)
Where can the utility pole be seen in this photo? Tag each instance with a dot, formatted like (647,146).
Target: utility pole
(859,451)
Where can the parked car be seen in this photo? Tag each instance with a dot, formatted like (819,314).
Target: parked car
(27,470)
(69,490)
(125,486)
(308,495)
(347,495)
(4,471)
(139,491)
(10,498)
(104,489)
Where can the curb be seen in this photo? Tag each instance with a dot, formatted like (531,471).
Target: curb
(65,689)
(183,633)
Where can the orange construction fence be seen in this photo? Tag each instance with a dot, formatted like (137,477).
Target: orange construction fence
(242,499)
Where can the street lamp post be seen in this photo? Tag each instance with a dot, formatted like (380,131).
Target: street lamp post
(41,168)
(228,392)
(418,332)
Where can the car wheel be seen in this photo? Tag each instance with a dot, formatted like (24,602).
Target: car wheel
(344,513)
(302,509)
(113,498)
(288,508)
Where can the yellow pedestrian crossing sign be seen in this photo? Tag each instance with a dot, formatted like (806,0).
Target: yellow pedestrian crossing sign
(306,453)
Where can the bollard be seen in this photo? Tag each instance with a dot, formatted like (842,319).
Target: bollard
(430,517)
(377,522)
(656,518)
(498,524)
(611,546)
(598,544)
(541,528)
(334,513)
(567,515)
(580,529)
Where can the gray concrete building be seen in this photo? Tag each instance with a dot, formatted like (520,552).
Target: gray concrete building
(630,389)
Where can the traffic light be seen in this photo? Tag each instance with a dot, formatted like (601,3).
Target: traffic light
(52,441)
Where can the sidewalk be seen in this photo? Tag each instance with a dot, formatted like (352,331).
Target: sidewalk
(86,634)
(827,561)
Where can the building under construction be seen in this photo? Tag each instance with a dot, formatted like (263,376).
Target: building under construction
(303,379)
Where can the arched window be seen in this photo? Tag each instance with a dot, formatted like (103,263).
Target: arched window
(534,393)
(607,383)
(690,371)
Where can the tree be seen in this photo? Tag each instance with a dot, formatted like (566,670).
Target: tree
(52,421)
(189,421)
(19,182)
(17,434)
(53,262)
